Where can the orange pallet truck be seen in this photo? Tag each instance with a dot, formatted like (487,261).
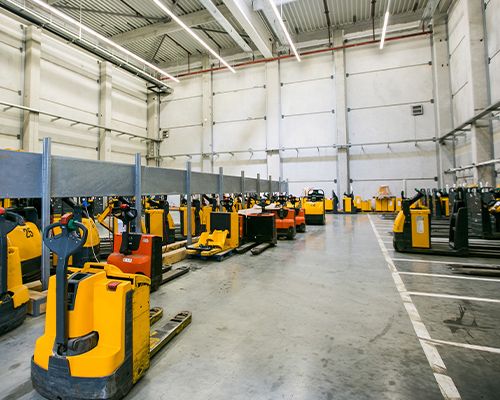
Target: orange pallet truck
(138,253)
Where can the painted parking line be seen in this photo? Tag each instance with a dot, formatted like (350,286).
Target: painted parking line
(453,296)
(444,381)
(465,345)
(469,278)
(444,262)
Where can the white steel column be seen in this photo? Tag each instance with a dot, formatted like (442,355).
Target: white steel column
(481,134)
(442,100)
(153,129)
(273,118)
(208,117)
(105,109)
(31,96)
(342,134)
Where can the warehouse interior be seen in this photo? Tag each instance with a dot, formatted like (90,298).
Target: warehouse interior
(250,199)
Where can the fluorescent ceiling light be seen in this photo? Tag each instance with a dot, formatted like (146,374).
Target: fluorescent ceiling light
(194,35)
(103,38)
(384,29)
(277,13)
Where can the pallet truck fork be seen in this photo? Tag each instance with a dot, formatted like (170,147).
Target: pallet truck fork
(14,295)
(98,340)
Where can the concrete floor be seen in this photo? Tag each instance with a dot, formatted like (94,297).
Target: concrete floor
(315,318)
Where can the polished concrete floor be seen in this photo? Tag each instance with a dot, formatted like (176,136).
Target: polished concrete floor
(316,318)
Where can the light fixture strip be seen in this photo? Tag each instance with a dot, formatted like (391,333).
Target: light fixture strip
(194,35)
(102,38)
(386,23)
(282,24)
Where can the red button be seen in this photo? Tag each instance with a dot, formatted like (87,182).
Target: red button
(113,285)
(2,211)
(66,218)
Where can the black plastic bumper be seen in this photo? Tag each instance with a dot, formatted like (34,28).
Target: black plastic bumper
(11,317)
(57,382)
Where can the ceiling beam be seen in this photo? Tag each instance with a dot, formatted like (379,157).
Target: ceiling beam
(252,24)
(429,11)
(268,12)
(212,9)
(165,28)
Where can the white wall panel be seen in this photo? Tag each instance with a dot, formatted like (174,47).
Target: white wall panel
(245,78)
(308,130)
(11,81)
(391,124)
(379,89)
(371,58)
(181,112)
(182,141)
(309,96)
(242,104)
(238,136)
(313,67)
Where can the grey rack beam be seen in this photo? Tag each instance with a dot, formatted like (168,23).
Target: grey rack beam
(464,127)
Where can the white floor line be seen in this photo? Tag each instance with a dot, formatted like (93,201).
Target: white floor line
(445,383)
(443,262)
(468,278)
(454,296)
(465,345)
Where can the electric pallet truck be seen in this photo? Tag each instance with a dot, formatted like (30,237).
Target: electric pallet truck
(412,231)
(14,295)
(260,231)
(220,239)
(285,219)
(137,253)
(98,340)
(300,215)
(158,220)
(314,207)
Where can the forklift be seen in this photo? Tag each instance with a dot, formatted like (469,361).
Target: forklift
(14,295)
(314,207)
(99,339)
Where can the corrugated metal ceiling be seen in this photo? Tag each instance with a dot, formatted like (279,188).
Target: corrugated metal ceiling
(112,17)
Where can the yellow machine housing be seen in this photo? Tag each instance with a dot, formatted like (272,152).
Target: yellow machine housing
(111,303)
(28,240)
(20,294)
(222,235)
(154,221)
(328,205)
(420,227)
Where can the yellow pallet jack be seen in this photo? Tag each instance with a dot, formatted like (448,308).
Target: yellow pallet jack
(98,340)
(220,239)
(14,295)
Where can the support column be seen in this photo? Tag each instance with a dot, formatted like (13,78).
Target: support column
(153,129)
(105,109)
(442,100)
(31,98)
(273,118)
(342,134)
(481,134)
(207,136)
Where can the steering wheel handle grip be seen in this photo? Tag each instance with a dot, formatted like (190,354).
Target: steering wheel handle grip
(55,243)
